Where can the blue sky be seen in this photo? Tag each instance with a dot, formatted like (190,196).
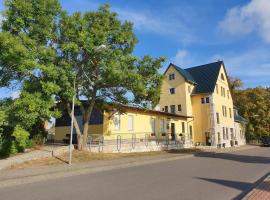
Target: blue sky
(194,32)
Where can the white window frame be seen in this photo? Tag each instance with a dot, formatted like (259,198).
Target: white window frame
(153,125)
(130,117)
(162,125)
(117,127)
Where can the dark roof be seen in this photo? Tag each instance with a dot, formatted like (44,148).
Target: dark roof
(240,119)
(187,76)
(205,76)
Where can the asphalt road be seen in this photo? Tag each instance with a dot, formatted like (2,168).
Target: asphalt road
(205,176)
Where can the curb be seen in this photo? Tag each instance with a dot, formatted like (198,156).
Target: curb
(248,193)
(75,172)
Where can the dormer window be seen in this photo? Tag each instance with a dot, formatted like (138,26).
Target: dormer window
(171,76)
(222,77)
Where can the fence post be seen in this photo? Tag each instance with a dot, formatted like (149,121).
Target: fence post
(167,140)
(133,141)
(90,139)
(146,140)
(157,140)
(100,143)
(119,142)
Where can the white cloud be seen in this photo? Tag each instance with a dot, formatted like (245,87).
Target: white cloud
(15,94)
(146,21)
(253,66)
(181,58)
(253,17)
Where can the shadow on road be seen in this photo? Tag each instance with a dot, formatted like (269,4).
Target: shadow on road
(235,157)
(245,187)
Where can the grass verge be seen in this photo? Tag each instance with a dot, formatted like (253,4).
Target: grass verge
(82,156)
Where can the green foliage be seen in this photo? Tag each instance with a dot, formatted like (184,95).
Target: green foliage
(21,137)
(254,105)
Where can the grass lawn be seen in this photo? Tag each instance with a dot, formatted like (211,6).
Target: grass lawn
(82,156)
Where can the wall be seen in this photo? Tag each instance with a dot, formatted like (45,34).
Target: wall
(219,101)
(240,133)
(62,131)
(141,125)
(181,96)
(201,113)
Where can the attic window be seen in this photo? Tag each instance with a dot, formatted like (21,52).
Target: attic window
(222,77)
(171,77)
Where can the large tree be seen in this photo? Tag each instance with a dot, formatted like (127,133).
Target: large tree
(91,50)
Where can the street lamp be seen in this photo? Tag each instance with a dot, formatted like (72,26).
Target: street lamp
(99,48)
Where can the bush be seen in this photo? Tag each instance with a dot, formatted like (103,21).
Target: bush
(21,137)
(9,148)
(29,144)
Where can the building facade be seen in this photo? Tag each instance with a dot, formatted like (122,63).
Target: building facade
(204,93)
(131,122)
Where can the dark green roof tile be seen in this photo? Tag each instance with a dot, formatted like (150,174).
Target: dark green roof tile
(205,76)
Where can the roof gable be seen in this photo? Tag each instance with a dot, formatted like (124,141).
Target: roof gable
(185,74)
(205,76)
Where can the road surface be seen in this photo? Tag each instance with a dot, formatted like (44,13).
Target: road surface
(205,176)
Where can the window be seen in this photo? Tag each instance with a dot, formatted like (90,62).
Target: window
(153,125)
(172,107)
(116,121)
(179,107)
(232,135)
(217,118)
(162,126)
(224,111)
(221,88)
(207,99)
(190,133)
(227,133)
(202,100)
(217,88)
(222,77)
(228,94)
(223,91)
(166,108)
(183,127)
(224,134)
(130,122)
(171,77)
(189,89)
(230,112)
(172,90)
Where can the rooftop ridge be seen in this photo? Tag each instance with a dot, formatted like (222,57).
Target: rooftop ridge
(203,65)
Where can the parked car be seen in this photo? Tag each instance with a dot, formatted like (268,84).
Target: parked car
(266,141)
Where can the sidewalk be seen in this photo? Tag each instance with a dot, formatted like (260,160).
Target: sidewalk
(261,192)
(45,151)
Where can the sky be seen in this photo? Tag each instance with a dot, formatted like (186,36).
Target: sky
(194,32)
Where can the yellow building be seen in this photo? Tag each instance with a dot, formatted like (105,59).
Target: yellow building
(204,93)
(132,122)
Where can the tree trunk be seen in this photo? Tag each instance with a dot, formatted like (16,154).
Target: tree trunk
(86,117)
(77,128)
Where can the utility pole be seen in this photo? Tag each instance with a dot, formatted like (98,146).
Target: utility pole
(71,125)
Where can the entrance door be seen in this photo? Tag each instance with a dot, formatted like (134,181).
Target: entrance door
(173,131)
(207,138)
